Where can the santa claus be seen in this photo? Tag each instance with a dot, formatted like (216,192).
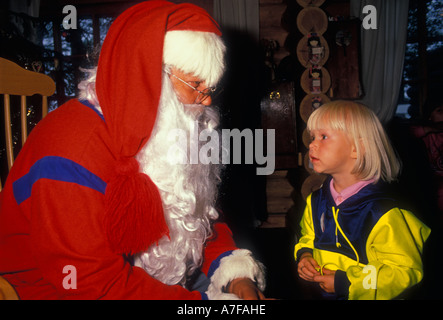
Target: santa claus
(96,205)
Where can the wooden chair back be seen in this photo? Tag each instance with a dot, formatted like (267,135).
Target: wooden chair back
(7,291)
(14,80)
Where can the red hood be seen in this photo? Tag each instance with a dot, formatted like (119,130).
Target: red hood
(129,71)
(128,86)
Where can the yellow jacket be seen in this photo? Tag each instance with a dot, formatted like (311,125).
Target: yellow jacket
(375,246)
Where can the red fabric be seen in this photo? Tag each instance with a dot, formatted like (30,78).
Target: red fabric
(220,242)
(130,195)
(128,88)
(130,67)
(62,223)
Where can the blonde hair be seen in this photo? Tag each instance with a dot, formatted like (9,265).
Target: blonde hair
(376,158)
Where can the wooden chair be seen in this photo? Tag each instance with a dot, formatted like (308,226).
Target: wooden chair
(7,291)
(14,80)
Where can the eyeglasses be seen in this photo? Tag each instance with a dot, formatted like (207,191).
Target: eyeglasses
(202,95)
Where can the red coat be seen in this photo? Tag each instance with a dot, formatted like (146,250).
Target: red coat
(51,217)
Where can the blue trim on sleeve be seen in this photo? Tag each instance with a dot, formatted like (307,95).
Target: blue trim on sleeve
(59,169)
(204,296)
(216,263)
(90,105)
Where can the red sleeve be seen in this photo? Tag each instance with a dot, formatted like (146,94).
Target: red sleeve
(66,230)
(219,244)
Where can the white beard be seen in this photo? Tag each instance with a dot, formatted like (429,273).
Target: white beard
(188,192)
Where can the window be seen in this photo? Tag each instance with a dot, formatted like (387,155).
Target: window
(72,49)
(422,85)
(42,44)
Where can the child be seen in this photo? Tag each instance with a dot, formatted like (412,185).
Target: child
(431,133)
(356,243)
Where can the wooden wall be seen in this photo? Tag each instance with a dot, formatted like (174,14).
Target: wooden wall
(271,12)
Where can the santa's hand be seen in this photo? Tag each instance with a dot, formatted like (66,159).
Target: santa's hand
(245,289)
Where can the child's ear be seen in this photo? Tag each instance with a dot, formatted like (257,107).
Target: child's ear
(354,152)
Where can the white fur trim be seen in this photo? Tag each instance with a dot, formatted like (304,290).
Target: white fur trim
(197,53)
(240,264)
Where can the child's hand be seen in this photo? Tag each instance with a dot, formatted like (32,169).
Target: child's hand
(308,267)
(326,281)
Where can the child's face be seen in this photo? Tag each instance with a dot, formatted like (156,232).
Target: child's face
(332,152)
(437,114)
